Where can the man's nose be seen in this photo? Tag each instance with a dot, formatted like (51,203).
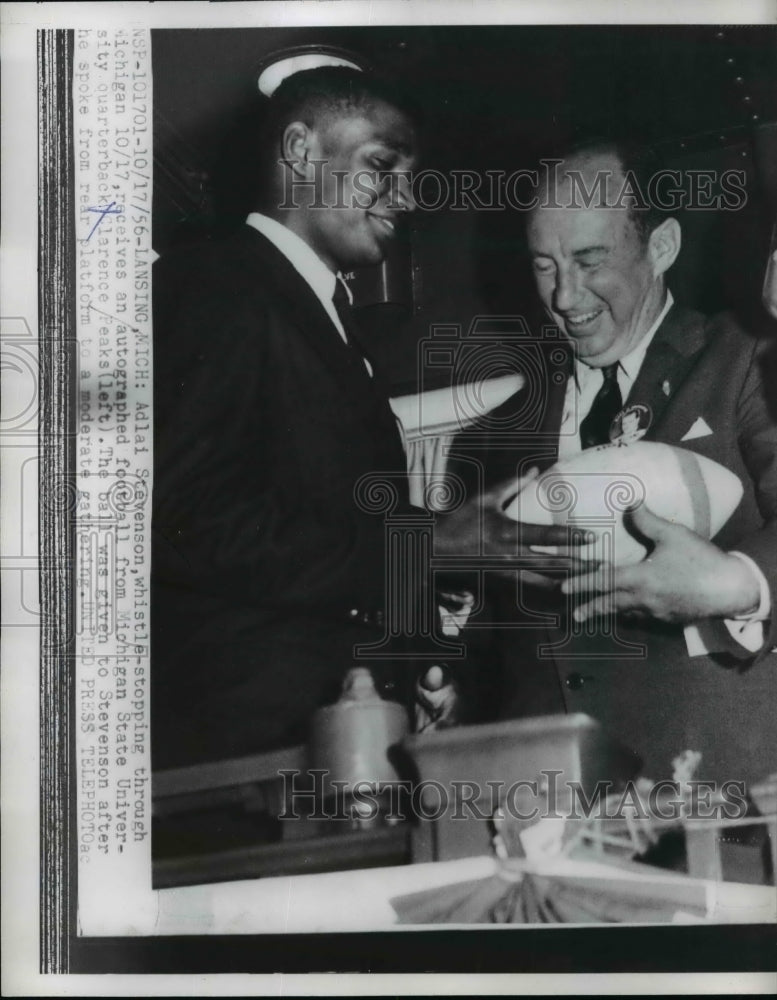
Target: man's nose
(402,192)
(566,292)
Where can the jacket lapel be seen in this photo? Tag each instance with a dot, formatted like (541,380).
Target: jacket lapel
(310,318)
(368,395)
(668,360)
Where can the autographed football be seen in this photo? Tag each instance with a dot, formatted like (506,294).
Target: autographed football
(593,489)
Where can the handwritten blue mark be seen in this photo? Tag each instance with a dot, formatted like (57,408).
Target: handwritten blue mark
(108,210)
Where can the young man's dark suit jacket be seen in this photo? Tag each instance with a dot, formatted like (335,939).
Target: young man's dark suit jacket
(664,701)
(263,564)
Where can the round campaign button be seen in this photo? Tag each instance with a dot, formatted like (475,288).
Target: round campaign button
(631,424)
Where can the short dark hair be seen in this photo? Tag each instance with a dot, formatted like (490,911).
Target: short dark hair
(331,91)
(245,169)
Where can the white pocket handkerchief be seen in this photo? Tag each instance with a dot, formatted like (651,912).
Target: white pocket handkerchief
(699,429)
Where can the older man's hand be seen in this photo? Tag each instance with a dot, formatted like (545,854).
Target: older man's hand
(481,529)
(683,579)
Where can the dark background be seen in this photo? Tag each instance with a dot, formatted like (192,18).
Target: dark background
(707,96)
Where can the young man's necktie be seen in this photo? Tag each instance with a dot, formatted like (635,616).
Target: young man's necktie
(343,308)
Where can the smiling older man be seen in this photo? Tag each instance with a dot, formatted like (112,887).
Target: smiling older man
(677,652)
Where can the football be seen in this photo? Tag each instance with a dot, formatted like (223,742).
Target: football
(593,489)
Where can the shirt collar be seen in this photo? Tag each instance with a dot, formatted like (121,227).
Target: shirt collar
(301,256)
(632,362)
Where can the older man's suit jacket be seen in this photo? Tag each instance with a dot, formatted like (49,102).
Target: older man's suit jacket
(264,564)
(640,682)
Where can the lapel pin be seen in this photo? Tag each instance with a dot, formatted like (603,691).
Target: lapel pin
(665,387)
(631,424)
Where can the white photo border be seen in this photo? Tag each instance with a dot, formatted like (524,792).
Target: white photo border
(61,951)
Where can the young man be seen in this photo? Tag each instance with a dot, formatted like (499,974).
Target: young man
(266,571)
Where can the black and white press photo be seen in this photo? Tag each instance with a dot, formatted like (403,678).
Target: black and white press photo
(391,442)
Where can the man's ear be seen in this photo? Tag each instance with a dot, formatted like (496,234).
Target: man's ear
(664,245)
(296,147)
